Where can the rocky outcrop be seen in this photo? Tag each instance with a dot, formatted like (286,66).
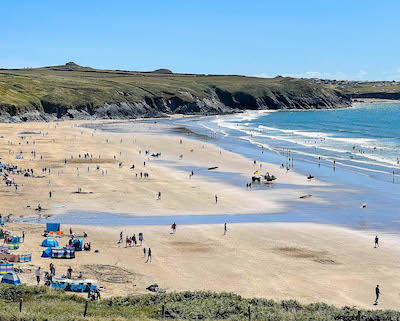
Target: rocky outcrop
(222,102)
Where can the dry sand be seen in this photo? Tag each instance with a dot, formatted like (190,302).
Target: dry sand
(306,262)
(281,261)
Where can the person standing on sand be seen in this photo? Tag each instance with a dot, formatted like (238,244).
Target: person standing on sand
(159,196)
(173,228)
(377,292)
(376,241)
(134,239)
(216,199)
(225,229)
(144,252)
(120,237)
(23,236)
(38,275)
(148,255)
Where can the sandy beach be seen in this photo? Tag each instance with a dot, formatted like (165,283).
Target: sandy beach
(306,262)
(116,189)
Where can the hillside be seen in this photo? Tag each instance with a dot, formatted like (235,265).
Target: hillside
(42,303)
(73,91)
(363,89)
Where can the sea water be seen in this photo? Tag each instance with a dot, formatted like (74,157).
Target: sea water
(363,138)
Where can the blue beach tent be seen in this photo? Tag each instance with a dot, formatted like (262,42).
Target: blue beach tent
(11,278)
(47,252)
(49,242)
(52,227)
(77,244)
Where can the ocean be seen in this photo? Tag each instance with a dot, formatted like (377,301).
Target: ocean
(364,138)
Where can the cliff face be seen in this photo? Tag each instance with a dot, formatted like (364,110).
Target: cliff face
(64,92)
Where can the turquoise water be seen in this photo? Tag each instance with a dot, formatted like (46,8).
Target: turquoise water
(363,138)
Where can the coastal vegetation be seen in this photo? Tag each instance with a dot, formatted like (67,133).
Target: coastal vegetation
(73,91)
(42,303)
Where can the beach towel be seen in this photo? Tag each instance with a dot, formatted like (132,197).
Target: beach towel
(9,257)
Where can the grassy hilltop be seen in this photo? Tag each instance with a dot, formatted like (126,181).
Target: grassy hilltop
(73,91)
(41,303)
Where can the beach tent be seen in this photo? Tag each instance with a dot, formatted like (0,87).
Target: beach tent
(47,252)
(11,278)
(49,242)
(62,253)
(6,268)
(52,227)
(77,244)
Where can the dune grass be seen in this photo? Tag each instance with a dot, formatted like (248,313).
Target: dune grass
(42,303)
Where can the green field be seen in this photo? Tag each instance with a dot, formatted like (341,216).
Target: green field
(42,303)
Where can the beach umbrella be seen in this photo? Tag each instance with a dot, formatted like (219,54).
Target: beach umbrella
(11,278)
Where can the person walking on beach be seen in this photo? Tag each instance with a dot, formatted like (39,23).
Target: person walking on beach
(376,241)
(69,273)
(173,228)
(120,238)
(225,229)
(216,199)
(141,238)
(23,236)
(159,196)
(144,252)
(38,275)
(377,292)
(148,255)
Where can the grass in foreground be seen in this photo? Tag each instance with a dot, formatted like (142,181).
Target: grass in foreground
(41,303)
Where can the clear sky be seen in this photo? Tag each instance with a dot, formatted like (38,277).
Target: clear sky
(328,39)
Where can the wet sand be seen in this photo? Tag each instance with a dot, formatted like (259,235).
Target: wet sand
(116,189)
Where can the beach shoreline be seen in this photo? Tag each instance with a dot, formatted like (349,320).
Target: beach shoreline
(105,179)
(303,261)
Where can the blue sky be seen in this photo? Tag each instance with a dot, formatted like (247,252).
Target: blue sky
(327,39)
